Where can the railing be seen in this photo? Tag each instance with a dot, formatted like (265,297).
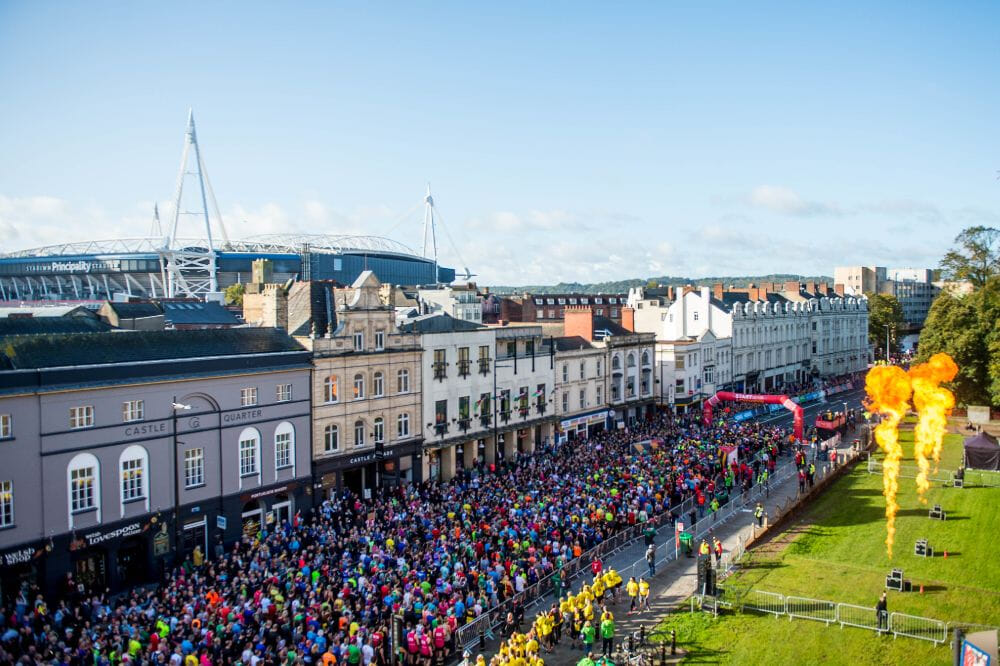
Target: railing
(463,368)
(910,471)
(484,366)
(440,371)
(463,424)
(846,615)
(484,420)
(440,428)
(811,609)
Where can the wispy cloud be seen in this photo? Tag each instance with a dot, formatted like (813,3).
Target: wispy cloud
(787,202)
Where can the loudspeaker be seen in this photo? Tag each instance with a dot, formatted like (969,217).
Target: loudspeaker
(706,576)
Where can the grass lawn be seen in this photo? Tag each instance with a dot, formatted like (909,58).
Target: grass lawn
(836,551)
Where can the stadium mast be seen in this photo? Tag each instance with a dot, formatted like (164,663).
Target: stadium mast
(429,226)
(191,271)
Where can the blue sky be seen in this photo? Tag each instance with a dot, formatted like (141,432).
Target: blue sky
(563,141)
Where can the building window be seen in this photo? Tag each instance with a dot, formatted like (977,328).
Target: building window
(599,395)
(194,468)
(283,392)
(583,369)
(598,300)
(441,416)
(133,471)
(248,455)
(6,503)
(440,364)
(565,372)
(82,481)
(359,433)
(463,362)
(583,398)
(330,389)
(379,430)
(696,316)
(282,449)
(331,439)
(81,417)
(599,312)
(248,396)
(484,359)
(379,340)
(359,386)
(598,367)
(132,410)
(378,384)
(6,427)
(402,381)
(614,313)
(359,341)
(403,425)
(565,401)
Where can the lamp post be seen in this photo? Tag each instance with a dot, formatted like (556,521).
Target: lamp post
(494,400)
(886,342)
(174,407)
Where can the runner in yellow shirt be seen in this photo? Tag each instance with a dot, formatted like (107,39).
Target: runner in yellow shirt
(632,589)
(644,594)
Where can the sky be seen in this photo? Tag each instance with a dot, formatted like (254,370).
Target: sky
(563,141)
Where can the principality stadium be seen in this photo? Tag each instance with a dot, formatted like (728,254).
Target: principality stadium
(168,265)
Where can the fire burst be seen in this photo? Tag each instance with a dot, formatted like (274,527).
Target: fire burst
(933,404)
(889,390)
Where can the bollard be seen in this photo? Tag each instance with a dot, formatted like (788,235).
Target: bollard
(631,642)
(663,653)
(673,641)
(642,634)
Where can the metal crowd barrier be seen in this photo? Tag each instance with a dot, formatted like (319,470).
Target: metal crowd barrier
(923,628)
(811,609)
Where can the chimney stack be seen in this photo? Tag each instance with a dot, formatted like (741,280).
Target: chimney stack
(839,288)
(811,287)
(822,288)
(579,320)
(791,287)
(628,319)
(717,290)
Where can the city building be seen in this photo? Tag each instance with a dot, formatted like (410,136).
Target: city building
(760,338)
(458,301)
(547,308)
(914,288)
(123,451)
(628,360)
(487,392)
(366,380)
(581,388)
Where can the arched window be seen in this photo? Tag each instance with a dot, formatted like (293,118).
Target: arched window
(616,362)
(249,451)
(284,446)
(330,389)
(83,481)
(403,426)
(132,464)
(331,439)
(378,385)
(645,358)
(379,430)
(402,381)
(630,362)
(359,433)
(359,386)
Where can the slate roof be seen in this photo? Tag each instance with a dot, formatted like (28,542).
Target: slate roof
(605,324)
(438,322)
(137,310)
(193,313)
(52,351)
(11,326)
(571,343)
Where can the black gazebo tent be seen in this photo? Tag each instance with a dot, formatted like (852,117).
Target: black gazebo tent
(982,452)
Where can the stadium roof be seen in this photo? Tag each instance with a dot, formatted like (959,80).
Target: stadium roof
(266,243)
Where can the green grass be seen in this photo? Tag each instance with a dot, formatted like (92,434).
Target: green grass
(836,551)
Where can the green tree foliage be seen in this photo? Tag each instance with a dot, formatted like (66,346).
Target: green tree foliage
(975,257)
(967,329)
(234,294)
(884,309)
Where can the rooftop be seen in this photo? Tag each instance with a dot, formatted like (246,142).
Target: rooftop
(438,322)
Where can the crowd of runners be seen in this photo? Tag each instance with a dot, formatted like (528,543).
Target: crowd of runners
(323,588)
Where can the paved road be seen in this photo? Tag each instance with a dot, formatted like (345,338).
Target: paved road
(676,580)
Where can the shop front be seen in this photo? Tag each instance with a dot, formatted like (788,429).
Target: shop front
(21,567)
(585,425)
(362,473)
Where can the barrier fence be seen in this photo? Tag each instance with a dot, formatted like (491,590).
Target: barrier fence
(845,615)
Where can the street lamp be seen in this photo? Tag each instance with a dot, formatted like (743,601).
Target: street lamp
(886,342)
(175,407)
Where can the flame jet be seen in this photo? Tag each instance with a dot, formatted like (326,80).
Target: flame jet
(934,404)
(889,390)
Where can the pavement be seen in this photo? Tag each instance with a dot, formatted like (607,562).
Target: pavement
(676,580)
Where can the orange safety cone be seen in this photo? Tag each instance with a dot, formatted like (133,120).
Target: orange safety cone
(946,554)
(921,588)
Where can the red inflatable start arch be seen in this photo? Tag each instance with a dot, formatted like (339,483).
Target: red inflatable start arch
(783,400)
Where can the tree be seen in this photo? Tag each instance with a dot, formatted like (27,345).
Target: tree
(234,294)
(883,310)
(976,257)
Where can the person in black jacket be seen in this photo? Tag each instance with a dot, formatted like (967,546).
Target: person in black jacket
(882,613)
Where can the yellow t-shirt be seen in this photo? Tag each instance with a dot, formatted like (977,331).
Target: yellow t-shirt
(632,588)
(643,589)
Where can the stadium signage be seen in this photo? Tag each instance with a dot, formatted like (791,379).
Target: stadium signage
(84,266)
